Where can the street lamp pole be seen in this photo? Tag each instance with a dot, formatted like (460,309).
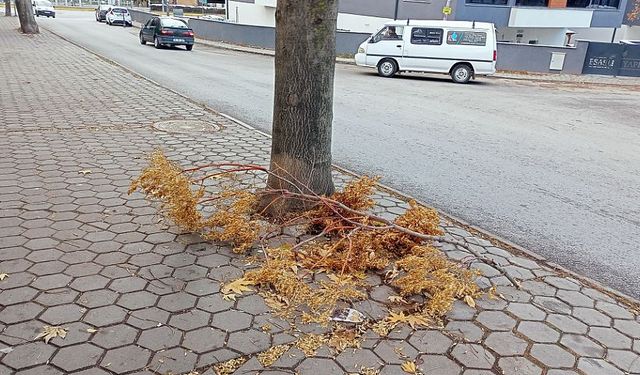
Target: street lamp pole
(395,14)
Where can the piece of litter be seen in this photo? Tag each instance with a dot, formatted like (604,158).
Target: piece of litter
(348,315)
(6,350)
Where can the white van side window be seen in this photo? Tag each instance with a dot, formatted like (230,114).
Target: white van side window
(389,33)
(421,35)
(467,38)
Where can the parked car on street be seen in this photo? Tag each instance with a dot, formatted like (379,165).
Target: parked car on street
(118,16)
(44,8)
(101,12)
(461,49)
(167,31)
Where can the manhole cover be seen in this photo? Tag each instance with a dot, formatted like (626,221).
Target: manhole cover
(186,126)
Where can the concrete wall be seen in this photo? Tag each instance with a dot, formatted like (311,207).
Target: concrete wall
(536,58)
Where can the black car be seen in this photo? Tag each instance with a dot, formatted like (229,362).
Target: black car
(167,31)
(101,12)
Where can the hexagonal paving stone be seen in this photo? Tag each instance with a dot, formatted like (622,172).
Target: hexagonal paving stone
(160,338)
(628,327)
(190,320)
(610,338)
(48,268)
(115,336)
(81,256)
(17,295)
(538,332)
(86,283)
(214,303)
(104,316)
(20,333)
(231,320)
(137,300)
(76,357)
(394,351)
(594,366)
(582,345)
(526,311)
(125,359)
(83,269)
(468,331)
(177,302)
(627,360)
(202,287)
(249,341)
(28,355)
(518,365)
(576,299)
(315,366)
(567,324)
(179,260)
(148,318)
(174,361)
(433,364)
(41,244)
(353,360)
(562,283)
(204,340)
(40,370)
(190,273)
(552,355)
(145,259)
(496,320)
(551,305)
(51,281)
(613,310)
(19,312)
(506,343)
(62,314)
(472,355)
(591,317)
(431,342)
(97,298)
(128,284)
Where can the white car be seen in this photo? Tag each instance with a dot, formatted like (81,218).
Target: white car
(43,8)
(119,15)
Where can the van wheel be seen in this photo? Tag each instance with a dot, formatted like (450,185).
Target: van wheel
(387,68)
(461,73)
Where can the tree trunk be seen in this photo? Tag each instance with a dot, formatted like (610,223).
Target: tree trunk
(27,19)
(7,8)
(303,106)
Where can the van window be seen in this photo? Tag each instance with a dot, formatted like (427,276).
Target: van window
(467,38)
(389,33)
(420,35)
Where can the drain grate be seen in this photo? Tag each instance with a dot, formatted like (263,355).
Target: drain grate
(186,126)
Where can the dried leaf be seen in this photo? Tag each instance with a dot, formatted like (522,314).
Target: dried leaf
(470,301)
(409,367)
(92,330)
(396,299)
(84,171)
(3,276)
(236,288)
(269,356)
(50,332)
(493,293)
(6,350)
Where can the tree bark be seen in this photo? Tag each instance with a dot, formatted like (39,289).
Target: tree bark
(7,8)
(28,22)
(303,104)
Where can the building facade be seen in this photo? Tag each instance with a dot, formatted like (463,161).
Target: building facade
(547,22)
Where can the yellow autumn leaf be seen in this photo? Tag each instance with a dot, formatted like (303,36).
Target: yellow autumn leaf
(409,367)
(237,287)
(92,330)
(469,300)
(84,171)
(3,276)
(50,332)
(396,299)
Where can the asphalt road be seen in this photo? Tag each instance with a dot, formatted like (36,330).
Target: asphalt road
(554,168)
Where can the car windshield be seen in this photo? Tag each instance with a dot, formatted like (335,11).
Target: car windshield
(119,10)
(173,23)
(44,3)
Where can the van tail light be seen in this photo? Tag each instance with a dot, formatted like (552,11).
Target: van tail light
(166,32)
(495,55)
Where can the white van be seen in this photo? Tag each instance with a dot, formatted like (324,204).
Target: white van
(461,49)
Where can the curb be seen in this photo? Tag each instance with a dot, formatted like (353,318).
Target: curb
(473,229)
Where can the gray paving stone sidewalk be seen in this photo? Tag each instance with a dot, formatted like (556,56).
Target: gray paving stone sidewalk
(138,297)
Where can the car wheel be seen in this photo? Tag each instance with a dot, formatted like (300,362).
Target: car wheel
(156,42)
(387,68)
(461,73)
(189,47)
(142,41)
